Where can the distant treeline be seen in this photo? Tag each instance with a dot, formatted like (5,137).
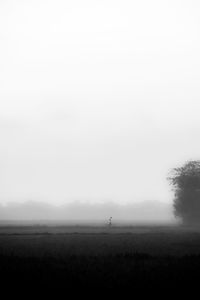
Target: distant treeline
(34,210)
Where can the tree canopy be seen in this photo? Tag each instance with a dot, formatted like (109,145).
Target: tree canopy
(186,185)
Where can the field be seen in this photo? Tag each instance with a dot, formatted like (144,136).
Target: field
(85,257)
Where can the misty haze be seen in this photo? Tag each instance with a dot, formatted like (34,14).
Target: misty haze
(99,146)
(154,212)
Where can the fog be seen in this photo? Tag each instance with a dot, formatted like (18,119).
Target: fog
(77,212)
(98,101)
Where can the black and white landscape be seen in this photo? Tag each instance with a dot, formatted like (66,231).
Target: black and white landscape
(99,145)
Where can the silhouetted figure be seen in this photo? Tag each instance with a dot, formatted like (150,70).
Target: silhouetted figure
(110,222)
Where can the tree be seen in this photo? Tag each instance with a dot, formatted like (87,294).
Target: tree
(186,185)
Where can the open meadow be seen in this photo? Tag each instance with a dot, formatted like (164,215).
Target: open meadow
(66,257)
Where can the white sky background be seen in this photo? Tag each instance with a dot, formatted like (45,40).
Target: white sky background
(98,99)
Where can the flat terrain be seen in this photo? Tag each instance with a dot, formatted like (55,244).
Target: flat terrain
(101,257)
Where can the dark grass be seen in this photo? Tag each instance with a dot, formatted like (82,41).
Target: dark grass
(140,259)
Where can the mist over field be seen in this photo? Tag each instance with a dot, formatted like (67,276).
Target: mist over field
(98,99)
(99,147)
(148,211)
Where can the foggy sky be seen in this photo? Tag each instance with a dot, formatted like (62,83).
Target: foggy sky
(98,99)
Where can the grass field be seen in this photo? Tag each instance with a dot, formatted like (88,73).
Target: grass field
(139,257)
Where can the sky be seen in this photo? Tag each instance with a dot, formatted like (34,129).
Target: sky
(98,99)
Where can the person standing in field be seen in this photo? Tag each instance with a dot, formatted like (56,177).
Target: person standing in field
(110,222)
